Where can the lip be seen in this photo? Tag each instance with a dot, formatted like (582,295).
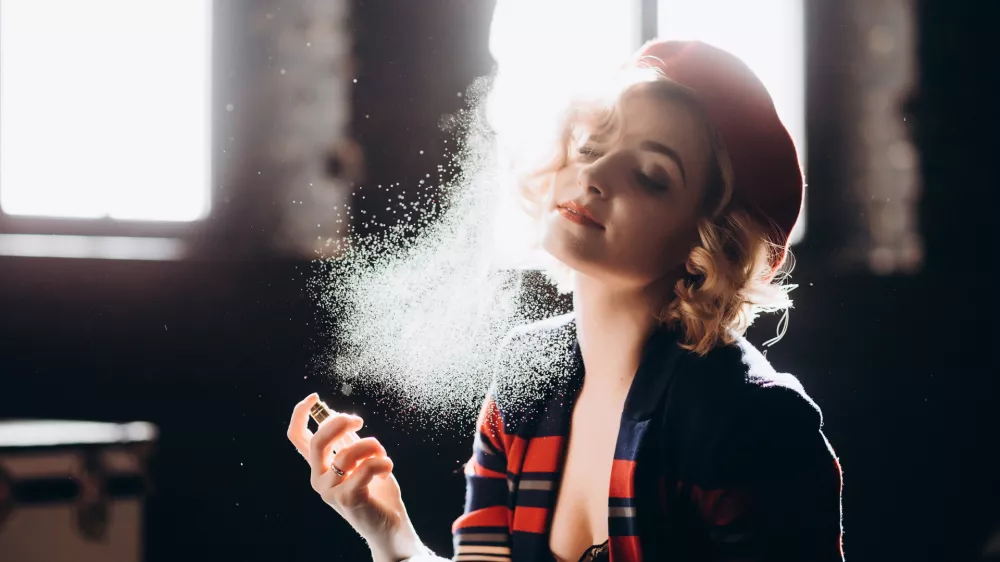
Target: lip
(579,214)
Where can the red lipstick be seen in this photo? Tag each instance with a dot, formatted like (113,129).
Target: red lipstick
(579,214)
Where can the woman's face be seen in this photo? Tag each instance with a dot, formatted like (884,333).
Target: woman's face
(641,184)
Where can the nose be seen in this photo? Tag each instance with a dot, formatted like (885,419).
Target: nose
(595,180)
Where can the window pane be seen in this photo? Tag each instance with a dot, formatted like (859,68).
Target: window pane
(765,34)
(104,108)
(544,52)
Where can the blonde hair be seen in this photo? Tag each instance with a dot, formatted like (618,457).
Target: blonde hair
(728,279)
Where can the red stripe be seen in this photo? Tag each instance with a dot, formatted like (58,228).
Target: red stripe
(516,447)
(622,479)
(496,516)
(624,549)
(543,454)
(473,467)
(530,519)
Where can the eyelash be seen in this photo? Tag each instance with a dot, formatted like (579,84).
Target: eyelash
(643,179)
(651,183)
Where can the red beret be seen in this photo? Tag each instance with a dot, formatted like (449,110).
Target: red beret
(766,174)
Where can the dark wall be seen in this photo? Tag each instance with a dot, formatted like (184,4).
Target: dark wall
(216,353)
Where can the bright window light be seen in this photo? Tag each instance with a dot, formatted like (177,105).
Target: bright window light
(545,51)
(768,35)
(104,108)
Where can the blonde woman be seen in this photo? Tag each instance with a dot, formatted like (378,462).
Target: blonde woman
(666,207)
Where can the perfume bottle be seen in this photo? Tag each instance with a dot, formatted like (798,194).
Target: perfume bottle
(320,412)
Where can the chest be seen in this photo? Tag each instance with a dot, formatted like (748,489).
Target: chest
(580,518)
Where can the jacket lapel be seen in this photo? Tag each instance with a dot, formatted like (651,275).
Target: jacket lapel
(631,496)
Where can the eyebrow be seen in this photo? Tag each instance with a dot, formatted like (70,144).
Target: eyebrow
(668,152)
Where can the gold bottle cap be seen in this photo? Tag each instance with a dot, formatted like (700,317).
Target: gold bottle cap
(319,412)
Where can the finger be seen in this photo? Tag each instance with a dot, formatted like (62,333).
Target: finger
(327,480)
(298,427)
(350,488)
(332,429)
(348,458)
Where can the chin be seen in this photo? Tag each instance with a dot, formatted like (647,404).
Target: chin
(576,252)
(590,257)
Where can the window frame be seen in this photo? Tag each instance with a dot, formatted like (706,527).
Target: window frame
(180,231)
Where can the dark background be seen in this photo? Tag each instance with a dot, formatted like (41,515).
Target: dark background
(217,351)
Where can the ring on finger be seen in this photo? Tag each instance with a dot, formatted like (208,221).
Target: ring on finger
(333,467)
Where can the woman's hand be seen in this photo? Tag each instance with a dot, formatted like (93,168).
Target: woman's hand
(367,495)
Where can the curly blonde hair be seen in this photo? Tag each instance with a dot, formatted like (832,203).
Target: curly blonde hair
(729,278)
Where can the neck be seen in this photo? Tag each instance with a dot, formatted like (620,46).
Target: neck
(613,325)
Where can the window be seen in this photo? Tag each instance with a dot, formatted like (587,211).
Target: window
(104,113)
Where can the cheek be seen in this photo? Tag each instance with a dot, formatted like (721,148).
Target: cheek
(654,239)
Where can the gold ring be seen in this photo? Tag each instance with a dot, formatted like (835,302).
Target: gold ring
(334,468)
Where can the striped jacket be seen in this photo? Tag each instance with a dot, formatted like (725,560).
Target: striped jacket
(718,457)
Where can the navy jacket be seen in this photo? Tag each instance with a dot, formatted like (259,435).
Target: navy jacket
(718,457)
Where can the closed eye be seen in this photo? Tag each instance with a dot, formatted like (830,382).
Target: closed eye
(588,151)
(650,183)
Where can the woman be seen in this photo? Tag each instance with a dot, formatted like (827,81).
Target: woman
(667,210)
